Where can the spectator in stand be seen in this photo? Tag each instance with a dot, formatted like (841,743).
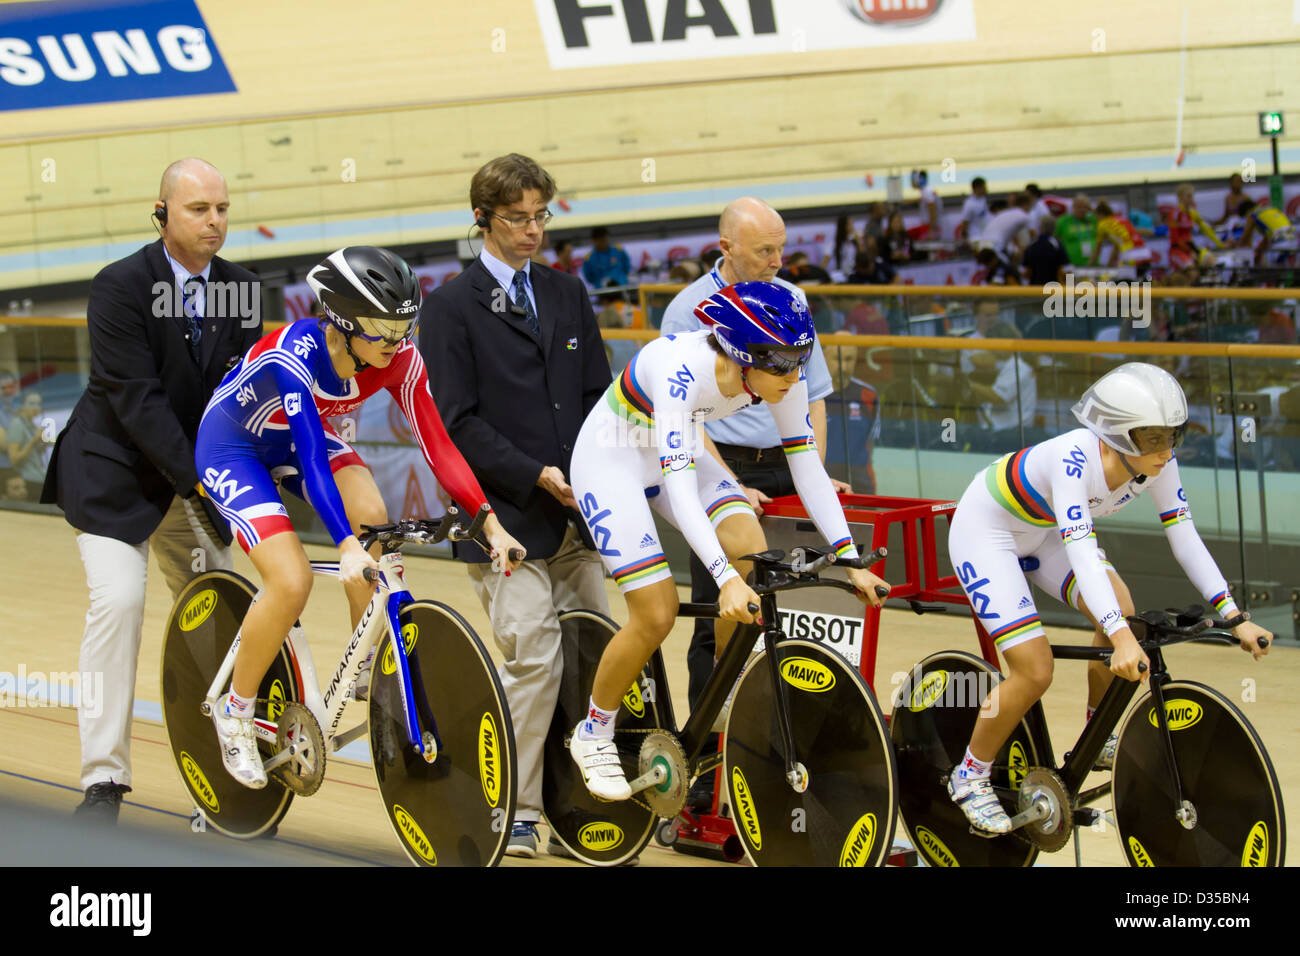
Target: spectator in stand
(896,246)
(564,257)
(26,445)
(847,245)
(870,269)
(685,272)
(1232,202)
(605,264)
(1040,208)
(709,259)
(988,313)
(12,486)
(1183,222)
(1008,401)
(931,205)
(1046,258)
(877,222)
(993,270)
(1077,229)
(9,398)
(1115,230)
(802,272)
(975,211)
(1006,231)
(612,314)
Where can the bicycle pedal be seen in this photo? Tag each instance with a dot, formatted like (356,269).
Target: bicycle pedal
(986,834)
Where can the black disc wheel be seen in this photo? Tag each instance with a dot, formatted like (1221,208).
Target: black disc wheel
(596,831)
(200,630)
(455,809)
(842,810)
(1231,814)
(935,710)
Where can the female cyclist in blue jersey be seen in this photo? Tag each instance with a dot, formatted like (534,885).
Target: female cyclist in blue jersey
(265,424)
(1028,518)
(640,448)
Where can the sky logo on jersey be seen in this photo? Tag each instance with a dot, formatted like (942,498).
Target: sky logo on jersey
(599,532)
(1074,464)
(223,488)
(678,381)
(86,51)
(979,601)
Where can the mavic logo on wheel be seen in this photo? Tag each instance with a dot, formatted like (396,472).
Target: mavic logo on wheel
(1180,714)
(745,808)
(414,835)
(857,848)
(1256,851)
(489,753)
(275,700)
(807,675)
(1017,764)
(388,663)
(634,702)
(935,850)
(199,783)
(600,836)
(197,609)
(1139,853)
(931,690)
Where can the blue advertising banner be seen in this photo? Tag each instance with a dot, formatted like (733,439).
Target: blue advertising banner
(72,52)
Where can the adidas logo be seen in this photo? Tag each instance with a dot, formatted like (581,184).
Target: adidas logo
(1024,603)
(647,542)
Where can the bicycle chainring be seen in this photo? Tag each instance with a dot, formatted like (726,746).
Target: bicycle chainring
(304,772)
(1053,831)
(666,799)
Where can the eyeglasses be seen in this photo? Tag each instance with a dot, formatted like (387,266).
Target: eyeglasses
(1154,439)
(521,222)
(782,362)
(388,332)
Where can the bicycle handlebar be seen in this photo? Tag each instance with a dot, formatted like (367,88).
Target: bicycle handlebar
(425,530)
(1158,630)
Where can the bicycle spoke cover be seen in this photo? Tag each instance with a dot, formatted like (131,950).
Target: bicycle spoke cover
(846,815)
(1226,775)
(602,833)
(202,625)
(457,810)
(935,710)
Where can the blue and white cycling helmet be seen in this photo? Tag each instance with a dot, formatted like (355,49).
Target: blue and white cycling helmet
(760,325)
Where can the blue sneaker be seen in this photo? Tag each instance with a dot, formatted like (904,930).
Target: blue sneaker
(523,839)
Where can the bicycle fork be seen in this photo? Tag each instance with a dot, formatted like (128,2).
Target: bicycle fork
(796,774)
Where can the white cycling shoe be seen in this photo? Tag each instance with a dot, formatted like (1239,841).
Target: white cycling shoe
(238,747)
(1106,759)
(977,800)
(597,758)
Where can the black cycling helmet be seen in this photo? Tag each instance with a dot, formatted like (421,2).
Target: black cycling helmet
(369,292)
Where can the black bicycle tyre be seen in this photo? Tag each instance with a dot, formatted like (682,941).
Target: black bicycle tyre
(1226,774)
(202,624)
(458,810)
(930,733)
(846,816)
(594,831)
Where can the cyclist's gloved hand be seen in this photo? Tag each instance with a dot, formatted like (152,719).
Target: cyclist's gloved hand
(866,583)
(1127,655)
(353,559)
(734,599)
(1249,633)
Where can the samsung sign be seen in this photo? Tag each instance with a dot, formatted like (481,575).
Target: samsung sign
(617,32)
(70,53)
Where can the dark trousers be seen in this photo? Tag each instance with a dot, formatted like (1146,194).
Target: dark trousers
(770,476)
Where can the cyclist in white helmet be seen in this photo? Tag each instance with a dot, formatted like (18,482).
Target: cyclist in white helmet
(1028,518)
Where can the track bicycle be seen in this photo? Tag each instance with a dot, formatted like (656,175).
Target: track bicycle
(1192,784)
(807,760)
(440,735)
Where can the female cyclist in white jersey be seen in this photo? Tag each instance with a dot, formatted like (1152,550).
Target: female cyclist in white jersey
(640,448)
(1028,518)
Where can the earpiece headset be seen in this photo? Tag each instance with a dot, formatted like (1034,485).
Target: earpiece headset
(161,214)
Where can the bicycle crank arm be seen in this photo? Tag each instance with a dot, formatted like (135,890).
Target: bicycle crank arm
(284,756)
(651,778)
(1041,809)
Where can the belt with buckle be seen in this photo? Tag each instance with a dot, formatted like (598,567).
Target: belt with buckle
(751,455)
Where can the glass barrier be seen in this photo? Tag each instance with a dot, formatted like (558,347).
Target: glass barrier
(910,416)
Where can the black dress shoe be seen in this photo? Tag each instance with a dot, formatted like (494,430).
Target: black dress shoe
(102,801)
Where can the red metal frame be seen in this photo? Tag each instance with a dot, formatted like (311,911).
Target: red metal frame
(921,580)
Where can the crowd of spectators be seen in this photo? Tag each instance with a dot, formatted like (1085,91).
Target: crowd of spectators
(24,449)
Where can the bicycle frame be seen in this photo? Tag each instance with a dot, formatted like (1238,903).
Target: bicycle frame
(391,595)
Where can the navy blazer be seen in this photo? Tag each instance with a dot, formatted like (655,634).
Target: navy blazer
(513,402)
(128,447)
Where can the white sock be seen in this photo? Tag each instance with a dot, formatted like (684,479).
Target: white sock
(599,723)
(970,768)
(241,707)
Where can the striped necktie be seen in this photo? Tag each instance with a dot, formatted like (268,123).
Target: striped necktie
(194,285)
(521,301)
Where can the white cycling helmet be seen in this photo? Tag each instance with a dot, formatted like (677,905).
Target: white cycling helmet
(1135,395)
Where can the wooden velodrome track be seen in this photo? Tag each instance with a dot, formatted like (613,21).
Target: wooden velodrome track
(343,824)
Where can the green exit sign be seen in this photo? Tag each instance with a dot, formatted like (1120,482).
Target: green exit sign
(1270,124)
